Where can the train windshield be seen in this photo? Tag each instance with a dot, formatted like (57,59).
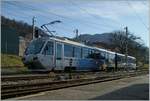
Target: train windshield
(35,47)
(130,60)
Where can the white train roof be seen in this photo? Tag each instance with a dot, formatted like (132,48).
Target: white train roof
(111,52)
(120,54)
(100,49)
(131,57)
(70,42)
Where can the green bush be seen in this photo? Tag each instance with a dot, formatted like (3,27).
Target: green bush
(8,60)
(146,66)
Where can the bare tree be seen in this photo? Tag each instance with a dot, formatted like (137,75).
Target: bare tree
(119,40)
(136,47)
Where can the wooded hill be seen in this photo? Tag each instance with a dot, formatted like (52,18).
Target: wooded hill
(23,29)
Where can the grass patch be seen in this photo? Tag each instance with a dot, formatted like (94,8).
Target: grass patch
(146,66)
(8,60)
(12,64)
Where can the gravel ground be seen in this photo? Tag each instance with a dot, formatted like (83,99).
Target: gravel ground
(50,78)
(135,88)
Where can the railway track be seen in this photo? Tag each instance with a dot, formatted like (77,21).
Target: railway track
(44,76)
(8,91)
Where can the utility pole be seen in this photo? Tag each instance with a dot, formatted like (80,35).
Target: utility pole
(33,27)
(77,34)
(76,31)
(126,45)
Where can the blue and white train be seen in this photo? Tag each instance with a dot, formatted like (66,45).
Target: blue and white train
(50,53)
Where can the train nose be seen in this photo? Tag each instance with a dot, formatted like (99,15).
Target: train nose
(24,60)
(29,59)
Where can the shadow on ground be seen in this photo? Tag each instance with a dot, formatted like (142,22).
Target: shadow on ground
(133,92)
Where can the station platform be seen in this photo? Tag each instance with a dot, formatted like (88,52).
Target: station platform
(134,88)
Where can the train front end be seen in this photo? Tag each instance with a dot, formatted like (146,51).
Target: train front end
(32,55)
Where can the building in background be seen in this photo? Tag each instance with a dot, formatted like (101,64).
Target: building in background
(22,45)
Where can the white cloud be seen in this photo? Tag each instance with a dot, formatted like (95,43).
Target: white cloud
(116,9)
(85,10)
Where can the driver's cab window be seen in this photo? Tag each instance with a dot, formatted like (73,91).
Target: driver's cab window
(48,50)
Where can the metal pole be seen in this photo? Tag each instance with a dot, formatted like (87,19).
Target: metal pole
(6,44)
(126,45)
(76,31)
(33,27)
(6,49)
(70,69)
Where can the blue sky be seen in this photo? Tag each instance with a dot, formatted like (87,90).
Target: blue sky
(89,16)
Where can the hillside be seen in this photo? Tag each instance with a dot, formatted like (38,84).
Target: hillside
(99,40)
(23,29)
(96,38)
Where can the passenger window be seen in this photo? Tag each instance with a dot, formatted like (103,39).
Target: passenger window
(48,50)
(102,55)
(68,50)
(77,52)
(59,51)
(85,52)
(90,54)
(118,58)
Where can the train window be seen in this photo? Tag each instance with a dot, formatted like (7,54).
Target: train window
(118,58)
(130,60)
(85,52)
(89,51)
(122,58)
(133,60)
(96,51)
(81,52)
(92,51)
(77,52)
(59,51)
(102,55)
(48,50)
(111,57)
(107,57)
(90,54)
(35,47)
(68,50)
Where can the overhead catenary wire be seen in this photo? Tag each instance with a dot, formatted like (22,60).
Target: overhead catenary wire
(25,13)
(93,25)
(136,14)
(24,17)
(90,14)
(39,11)
(64,17)
(58,15)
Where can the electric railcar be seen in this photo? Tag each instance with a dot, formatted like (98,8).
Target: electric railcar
(50,53)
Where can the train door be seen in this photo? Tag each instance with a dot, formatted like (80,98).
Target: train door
(59,56)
